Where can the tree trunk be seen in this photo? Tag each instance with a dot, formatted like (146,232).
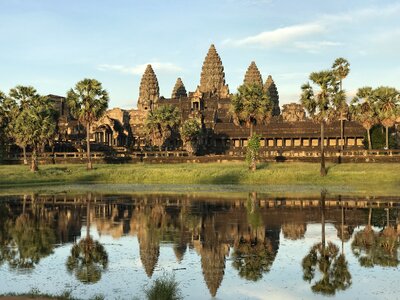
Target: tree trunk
(369,217)
(253,163)
(369,139)
(24,151)
(89,159)
(323,194)
(53,160)
(341,134)
(323,169)
(387,138)
(34,165)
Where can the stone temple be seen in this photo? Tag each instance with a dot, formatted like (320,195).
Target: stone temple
(289,126)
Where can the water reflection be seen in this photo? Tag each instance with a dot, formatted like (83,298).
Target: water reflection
(88,257)
(243,236)
(377,248)
(326,259)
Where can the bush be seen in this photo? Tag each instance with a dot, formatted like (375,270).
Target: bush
(164,288)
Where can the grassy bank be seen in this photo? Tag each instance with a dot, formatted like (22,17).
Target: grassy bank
(357,176)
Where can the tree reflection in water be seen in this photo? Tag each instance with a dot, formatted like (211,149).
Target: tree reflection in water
(88,258)
(326,259)
(27,240)
(376,249)
(253,253)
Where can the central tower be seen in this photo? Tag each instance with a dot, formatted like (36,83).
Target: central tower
(212,79)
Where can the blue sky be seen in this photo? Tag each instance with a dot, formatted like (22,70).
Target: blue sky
(53,44)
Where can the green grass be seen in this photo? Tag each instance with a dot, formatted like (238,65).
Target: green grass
(360,177)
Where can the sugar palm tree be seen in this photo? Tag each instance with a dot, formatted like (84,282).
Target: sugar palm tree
(387,100)
(7,108)
(88,101)
(320,105)
(161,122)
(341,68)
(363,110)
(250,106)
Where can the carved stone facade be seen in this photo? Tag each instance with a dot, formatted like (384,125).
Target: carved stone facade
(293,112)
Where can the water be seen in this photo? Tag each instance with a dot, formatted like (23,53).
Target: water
(228,246)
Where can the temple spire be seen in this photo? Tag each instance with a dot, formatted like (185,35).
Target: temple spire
(212,78)
(270,88)
(253,75)
(179,89)
(149,91)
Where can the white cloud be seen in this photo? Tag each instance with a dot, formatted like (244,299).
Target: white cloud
(164,67)
(315,46)
(297,36)
(278,36)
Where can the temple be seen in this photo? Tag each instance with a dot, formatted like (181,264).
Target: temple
(289,127)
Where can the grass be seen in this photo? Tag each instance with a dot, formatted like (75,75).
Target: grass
(164,288)
(351,177)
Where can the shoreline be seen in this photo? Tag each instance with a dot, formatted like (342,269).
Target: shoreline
(274,177)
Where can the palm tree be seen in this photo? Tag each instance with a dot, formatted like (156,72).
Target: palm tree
(363,110)
(320,106)
(88,102)
(34,123)
(7,107)
(341,68)
(190,132)
(388,105)
(161,123)
(251,105)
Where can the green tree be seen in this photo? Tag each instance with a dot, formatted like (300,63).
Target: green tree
(34,122)
(190,133)
(321,106)
(387,101)
(7,107)
(251,106)
(88,101)
(341,68)
(161,123)
(363,110)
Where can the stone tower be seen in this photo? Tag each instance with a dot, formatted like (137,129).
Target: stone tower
(149,91)
(253,75)
(271,89)
(212,78)
(179,89)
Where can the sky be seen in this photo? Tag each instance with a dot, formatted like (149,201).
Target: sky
(51,45)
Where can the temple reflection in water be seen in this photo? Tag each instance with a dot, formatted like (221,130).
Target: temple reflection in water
(244,232)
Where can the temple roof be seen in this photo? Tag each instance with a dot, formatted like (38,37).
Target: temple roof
(272,91)
(253,75)
(149,91)
(179,89)
(212,74)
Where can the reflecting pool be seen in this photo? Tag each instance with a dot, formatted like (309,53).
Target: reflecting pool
(252,246)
